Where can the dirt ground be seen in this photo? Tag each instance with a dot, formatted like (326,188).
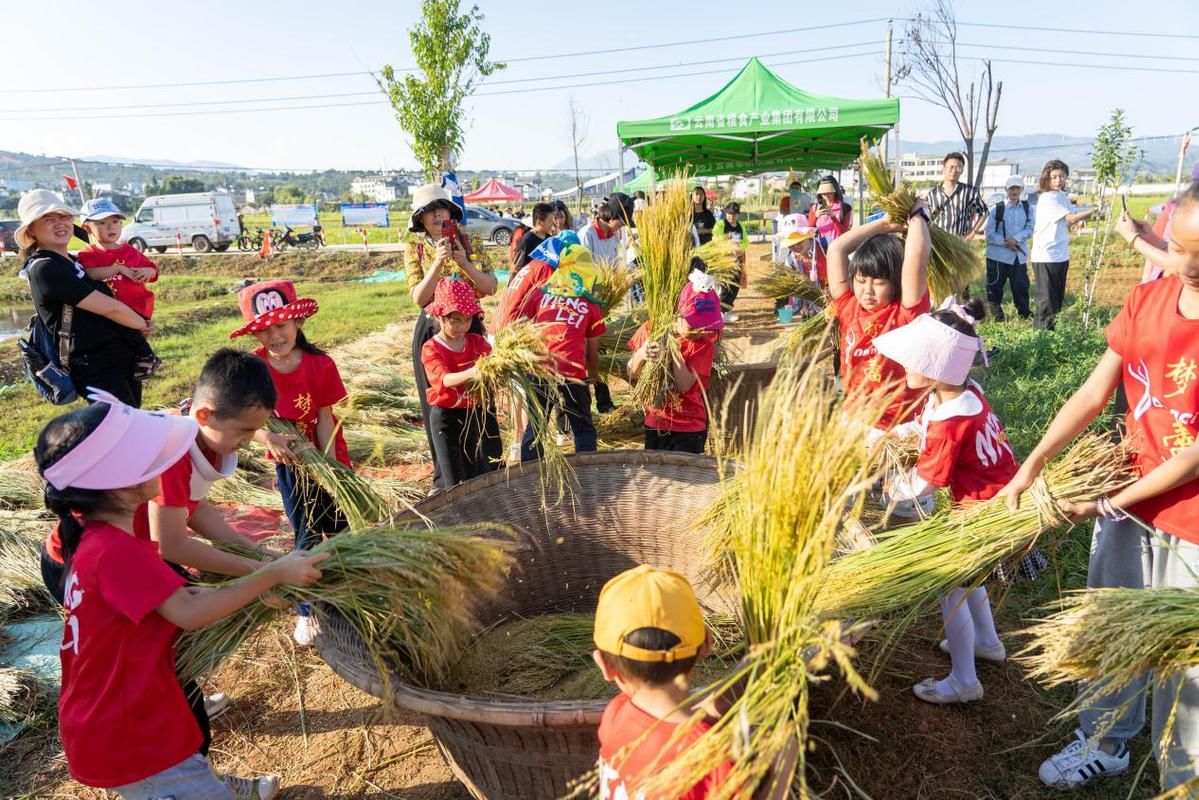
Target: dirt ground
(292,716)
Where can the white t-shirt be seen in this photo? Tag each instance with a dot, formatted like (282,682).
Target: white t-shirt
(1050,231)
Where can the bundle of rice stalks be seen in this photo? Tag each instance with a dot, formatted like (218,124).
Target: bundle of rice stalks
(783,282)
(409,593)
(953,263)
(354,497)
(813,338)
(519,363)
(1105,640)
(20,691)
(239,490)
(21,585)
(383,446)
(21,485)
(964,544)
(722,259)
(614,342)
(612,284)
(664,228)
(782,521)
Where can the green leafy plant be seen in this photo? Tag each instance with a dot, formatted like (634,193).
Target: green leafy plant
(451,52)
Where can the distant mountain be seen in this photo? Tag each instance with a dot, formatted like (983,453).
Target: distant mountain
(166,163)
(1032,150)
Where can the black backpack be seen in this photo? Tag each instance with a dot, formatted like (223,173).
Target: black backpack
(999,214)
(46,358)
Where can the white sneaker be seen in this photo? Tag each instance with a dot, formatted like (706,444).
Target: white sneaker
(514,454)
(561,440)
(1082,761)
(927,691)
(216,704)
(306,629)
(729,316)
(264,787)
(997,653)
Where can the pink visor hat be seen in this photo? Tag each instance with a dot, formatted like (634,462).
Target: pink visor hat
(129,447)
(699,304)
(932,349)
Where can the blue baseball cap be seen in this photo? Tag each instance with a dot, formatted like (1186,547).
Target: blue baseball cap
(100,208)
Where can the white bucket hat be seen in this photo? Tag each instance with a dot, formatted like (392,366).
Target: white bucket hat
(428,197)
(932,348)
(33,206)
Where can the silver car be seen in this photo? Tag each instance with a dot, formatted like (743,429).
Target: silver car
(489,226)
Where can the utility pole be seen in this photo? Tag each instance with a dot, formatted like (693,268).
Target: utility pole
(887,82)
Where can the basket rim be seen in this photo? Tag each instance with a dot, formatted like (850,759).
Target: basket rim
(515,712)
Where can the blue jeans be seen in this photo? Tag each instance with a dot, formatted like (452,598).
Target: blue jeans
(190,779)
(312,515)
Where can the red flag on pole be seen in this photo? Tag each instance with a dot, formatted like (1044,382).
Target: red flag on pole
(70,182)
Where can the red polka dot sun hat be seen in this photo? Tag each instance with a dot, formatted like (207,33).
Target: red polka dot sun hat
(268,303)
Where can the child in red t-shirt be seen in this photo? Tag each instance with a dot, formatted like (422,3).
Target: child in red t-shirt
(466,435)
(571,322)
(962,447)
(682,423)
(1153,351)
(124,719)
(649,633)
(124,269)
(307,386)
(883,287)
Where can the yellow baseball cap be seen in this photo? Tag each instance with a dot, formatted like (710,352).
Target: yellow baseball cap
(646,597)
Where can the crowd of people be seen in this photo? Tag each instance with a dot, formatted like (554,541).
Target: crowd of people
(130,487)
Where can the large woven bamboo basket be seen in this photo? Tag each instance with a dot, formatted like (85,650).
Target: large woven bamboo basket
(629,507)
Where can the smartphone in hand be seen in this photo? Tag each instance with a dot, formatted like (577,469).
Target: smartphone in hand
(449,230)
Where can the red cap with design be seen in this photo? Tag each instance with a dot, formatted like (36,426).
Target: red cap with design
(268,303)
(454,295)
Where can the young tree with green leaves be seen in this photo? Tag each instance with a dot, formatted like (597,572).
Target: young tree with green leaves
(451,51)
(1112,156)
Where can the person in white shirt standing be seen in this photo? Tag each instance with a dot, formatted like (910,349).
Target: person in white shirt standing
(1051,241)
(1008,229)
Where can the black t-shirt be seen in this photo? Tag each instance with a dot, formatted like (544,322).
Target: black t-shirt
(525,245)
(55,281)
(703,221)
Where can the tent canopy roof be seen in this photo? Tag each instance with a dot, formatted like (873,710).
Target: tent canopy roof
(759,123)
(494,192)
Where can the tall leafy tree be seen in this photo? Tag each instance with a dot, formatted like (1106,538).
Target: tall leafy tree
(451,51)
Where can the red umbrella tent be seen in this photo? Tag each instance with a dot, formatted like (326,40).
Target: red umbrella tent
(494,192)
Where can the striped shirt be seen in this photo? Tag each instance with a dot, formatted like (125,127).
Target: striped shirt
(957,212)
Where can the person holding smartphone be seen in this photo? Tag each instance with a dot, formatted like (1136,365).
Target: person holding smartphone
(436,248)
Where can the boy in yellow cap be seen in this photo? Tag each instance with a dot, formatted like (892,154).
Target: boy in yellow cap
(649,632)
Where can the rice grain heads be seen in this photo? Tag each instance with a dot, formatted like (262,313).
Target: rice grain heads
(963,544)
(781,525)
(409,593)
(953,263)
(664,229)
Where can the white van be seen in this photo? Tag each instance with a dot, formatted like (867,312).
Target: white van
(205,220)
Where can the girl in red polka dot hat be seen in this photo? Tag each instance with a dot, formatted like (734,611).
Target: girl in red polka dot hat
(308,386)
(464,433)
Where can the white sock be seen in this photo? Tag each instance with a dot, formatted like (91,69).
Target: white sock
(980,613)
(959,632)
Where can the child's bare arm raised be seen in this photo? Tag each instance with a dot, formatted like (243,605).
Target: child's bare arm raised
(916,250)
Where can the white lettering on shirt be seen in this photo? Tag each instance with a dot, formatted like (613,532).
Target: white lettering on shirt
(72,596)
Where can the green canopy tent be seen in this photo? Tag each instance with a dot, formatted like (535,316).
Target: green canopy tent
(759,123)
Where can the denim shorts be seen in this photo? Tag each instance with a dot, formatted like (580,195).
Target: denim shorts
(190,779)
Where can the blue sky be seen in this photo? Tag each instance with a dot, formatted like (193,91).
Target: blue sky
(57,44)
